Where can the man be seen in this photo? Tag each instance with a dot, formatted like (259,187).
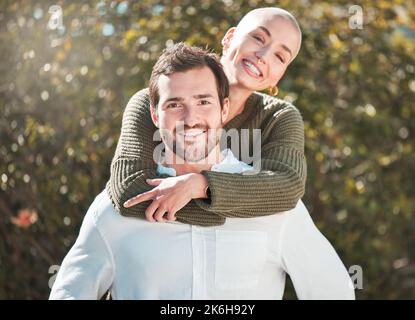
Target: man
(241,259)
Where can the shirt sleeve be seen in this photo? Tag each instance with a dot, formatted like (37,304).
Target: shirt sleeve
(87,270)
(312,263)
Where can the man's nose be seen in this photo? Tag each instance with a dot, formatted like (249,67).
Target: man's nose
(191,117)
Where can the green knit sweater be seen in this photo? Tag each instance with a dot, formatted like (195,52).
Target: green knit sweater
(276,188)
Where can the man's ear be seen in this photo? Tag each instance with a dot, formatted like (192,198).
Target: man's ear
(225,110)
(227,38)
(154,116)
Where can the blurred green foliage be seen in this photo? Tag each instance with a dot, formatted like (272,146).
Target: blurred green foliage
(63,91)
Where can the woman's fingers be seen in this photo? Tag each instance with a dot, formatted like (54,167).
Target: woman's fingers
(159,214)
(151,209)
(156,211)
(154,182)
(140,198)
(171,215)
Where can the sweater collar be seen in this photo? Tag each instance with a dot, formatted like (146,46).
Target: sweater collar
(250,108)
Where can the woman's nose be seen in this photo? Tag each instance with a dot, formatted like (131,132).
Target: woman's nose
(260,55)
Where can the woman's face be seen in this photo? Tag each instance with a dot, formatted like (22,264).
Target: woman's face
(257,53)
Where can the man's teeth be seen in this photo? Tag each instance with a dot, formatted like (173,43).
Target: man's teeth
(192,133)
(253,68)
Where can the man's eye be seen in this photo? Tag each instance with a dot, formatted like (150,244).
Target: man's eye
(173,105)
(258,38)
(204,102)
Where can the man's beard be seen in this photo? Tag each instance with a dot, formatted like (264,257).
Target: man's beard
(192,151)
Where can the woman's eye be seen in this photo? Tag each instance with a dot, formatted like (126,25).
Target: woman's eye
(280,57)
(258,38)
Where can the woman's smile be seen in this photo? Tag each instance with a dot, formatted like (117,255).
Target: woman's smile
(252,69)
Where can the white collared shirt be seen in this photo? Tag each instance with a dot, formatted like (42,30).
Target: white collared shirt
(246,258)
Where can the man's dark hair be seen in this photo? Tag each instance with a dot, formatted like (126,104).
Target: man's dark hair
(182,57)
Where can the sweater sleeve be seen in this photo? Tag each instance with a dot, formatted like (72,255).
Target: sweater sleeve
(276,188)
(279,184)
(133,160)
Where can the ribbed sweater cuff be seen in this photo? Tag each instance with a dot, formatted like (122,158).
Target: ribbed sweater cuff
(218,196)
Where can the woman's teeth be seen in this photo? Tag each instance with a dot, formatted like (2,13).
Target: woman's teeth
(252,68)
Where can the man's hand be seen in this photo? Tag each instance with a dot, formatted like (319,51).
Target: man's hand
(170,195)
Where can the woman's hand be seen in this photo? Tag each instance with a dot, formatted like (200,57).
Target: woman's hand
(170,195)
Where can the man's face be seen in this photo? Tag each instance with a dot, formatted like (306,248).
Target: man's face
(259,50)
(189,113)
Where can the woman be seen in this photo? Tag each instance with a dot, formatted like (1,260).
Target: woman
(255,56)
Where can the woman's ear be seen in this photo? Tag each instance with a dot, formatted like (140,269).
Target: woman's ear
(154,116)
(227,38)
(225,110)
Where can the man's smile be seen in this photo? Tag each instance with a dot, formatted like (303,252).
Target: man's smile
(192,134)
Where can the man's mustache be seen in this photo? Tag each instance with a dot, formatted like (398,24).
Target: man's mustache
(183,129)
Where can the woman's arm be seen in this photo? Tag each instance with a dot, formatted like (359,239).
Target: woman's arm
(276,188)
(280,183)
(133,160)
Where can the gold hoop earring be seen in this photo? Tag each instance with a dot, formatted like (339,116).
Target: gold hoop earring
(273,91)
